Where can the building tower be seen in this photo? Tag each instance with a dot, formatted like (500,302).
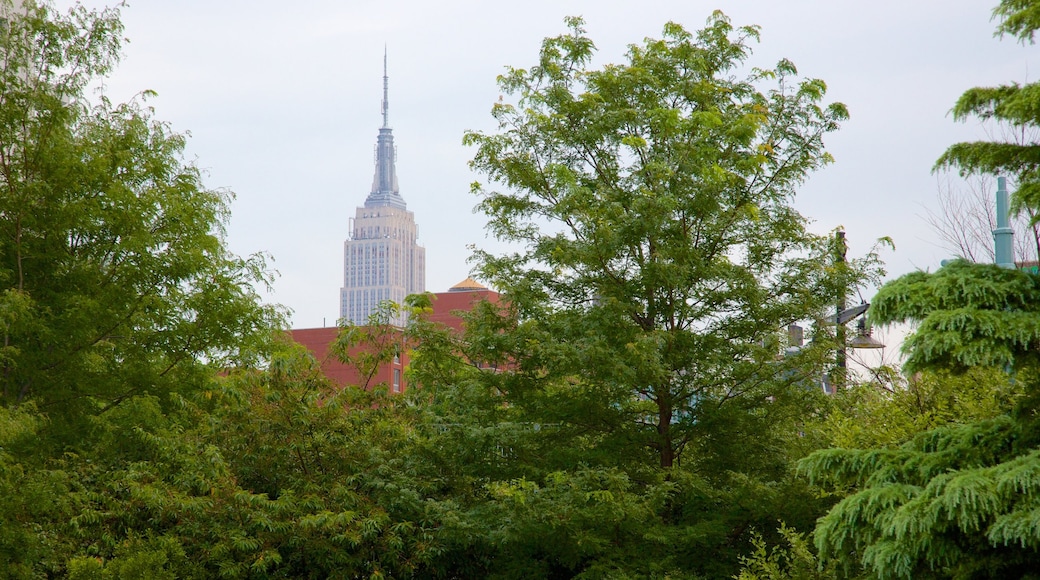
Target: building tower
(382,260)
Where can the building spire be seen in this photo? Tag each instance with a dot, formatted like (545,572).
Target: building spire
(384,183)
(386,99)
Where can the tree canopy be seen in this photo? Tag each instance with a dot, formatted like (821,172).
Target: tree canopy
(629,409)
(661,253)
(114,277)
(1012,105)
(659,256)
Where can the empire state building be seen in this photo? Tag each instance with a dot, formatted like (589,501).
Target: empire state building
(382,260)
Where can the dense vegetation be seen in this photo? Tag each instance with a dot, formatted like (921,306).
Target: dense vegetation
(959,500)
(631,412)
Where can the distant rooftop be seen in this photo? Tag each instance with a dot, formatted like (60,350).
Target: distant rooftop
(467,285)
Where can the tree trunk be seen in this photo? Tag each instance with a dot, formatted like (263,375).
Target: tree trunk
(664,433)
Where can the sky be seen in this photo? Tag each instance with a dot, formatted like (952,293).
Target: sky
(282,103)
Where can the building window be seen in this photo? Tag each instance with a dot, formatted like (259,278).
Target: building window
(397,380)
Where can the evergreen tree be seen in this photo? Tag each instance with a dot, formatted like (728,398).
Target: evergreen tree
(1013,105)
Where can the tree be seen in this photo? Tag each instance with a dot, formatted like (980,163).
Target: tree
(794,560)
(118,300)
(965,222)
(659,257)
(957,500)
(262,475)
(115,280)
(651,200)
(872,415)
(148,426)
(954,502)
(969,315)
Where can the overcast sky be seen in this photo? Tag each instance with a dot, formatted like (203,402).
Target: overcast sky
(282,101)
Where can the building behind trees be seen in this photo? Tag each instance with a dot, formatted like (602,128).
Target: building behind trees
(382,259)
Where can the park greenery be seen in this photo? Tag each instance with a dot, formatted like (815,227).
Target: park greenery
(629,411)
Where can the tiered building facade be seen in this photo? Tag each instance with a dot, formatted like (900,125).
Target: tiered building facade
(382,260)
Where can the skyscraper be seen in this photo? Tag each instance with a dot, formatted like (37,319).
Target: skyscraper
(382,260)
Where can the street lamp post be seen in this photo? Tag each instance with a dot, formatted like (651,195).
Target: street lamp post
(862,340)
(844,315)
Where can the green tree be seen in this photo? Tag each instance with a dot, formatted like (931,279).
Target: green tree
(958,500)
(264,474)
(954,502)
(970,315)
(659,257)
(652,203)
(114,277)
(793,560)
(118,299)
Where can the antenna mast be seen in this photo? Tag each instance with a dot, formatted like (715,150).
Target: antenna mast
(386,98)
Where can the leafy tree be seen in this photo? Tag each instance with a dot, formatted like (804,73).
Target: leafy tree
(794,560)
(334,482)
(118,299)
(265,474)
(969,314)
(958,501)
(651,200)
(115,280)
(659,256)
(955,501)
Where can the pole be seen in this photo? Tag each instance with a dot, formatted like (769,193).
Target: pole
(1003,235)
(840,363)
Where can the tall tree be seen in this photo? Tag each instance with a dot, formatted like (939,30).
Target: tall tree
(117,292)
(659,257)
(651,199)
(115,280)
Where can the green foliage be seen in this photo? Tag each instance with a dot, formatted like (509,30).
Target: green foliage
(1013,105)
(869,416)
(957,501)
(114,278)
(660,250)
(626,412)
(793,560)
(641,415)
(369,348)
(587,523)
(328,483)
(263,475)
(900,517)
(1019,18)
(967,315)
(134,560)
